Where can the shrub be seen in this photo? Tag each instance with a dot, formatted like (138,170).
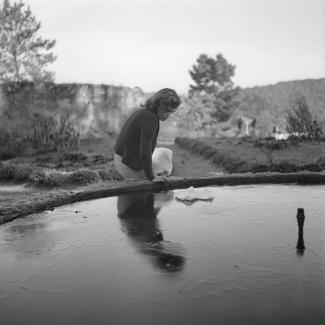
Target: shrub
(311,167)
(284,167)
(72,159)
(271,144)
(321,162)
(208,152)
(50,134)
(99,159)
(259,168)
(39,133)
(110,175)
(83,177)
(73,156)
(49,180)
(15,173)
(266,148)
(293,140)
(11,144)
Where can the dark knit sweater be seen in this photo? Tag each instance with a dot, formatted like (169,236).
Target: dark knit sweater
(137,141)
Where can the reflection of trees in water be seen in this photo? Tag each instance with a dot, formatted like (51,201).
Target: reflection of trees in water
(138,214)
(29,237)
(24,230)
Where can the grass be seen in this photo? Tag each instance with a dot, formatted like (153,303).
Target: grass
(79,177)
(18,174)
(242,155)
(304,153)
(92,163)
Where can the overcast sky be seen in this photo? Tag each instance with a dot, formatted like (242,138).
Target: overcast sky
(153,43)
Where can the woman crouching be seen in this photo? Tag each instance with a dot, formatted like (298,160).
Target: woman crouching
(136,155)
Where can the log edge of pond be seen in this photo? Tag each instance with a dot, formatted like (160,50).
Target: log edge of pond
(37,202)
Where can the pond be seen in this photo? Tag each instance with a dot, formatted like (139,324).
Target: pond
(147,258)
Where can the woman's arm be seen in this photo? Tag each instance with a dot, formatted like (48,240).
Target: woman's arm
(148,127)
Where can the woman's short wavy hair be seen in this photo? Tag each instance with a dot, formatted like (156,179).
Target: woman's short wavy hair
(166,97)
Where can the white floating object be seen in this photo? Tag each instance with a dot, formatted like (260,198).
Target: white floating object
(190,195)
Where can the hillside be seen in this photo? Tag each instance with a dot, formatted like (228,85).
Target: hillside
(270,104)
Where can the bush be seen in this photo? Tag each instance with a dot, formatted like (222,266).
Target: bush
(49,180)
(270,144)
(83,177)
(11,144)
(72,159)
(15,173)
(321,162)
(110,175)
(39,133)
(284,167)
(50,134)
(311,167)
(259,168)
(293,140)
(99,159)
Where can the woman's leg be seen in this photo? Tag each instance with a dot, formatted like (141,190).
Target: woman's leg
(162,165)
(126,171)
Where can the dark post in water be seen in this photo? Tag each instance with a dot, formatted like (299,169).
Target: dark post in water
(300,220)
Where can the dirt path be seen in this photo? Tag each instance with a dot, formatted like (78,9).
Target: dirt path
(187,164)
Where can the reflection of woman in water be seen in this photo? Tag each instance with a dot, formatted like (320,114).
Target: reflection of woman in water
(138,214)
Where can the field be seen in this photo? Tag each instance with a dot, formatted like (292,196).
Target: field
(301,154)
(242,154)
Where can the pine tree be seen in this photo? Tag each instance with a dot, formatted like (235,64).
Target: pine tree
(23,53)
(213,84)
(211,75)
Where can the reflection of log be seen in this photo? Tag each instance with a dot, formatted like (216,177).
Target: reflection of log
(300,221)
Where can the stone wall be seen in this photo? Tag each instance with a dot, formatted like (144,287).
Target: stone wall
(94,109)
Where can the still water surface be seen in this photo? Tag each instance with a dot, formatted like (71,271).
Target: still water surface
(149,259)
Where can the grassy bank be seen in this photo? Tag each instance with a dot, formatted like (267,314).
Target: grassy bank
(240,155)
(91,164)
(39,177)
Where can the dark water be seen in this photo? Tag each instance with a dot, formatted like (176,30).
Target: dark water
(141,259)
